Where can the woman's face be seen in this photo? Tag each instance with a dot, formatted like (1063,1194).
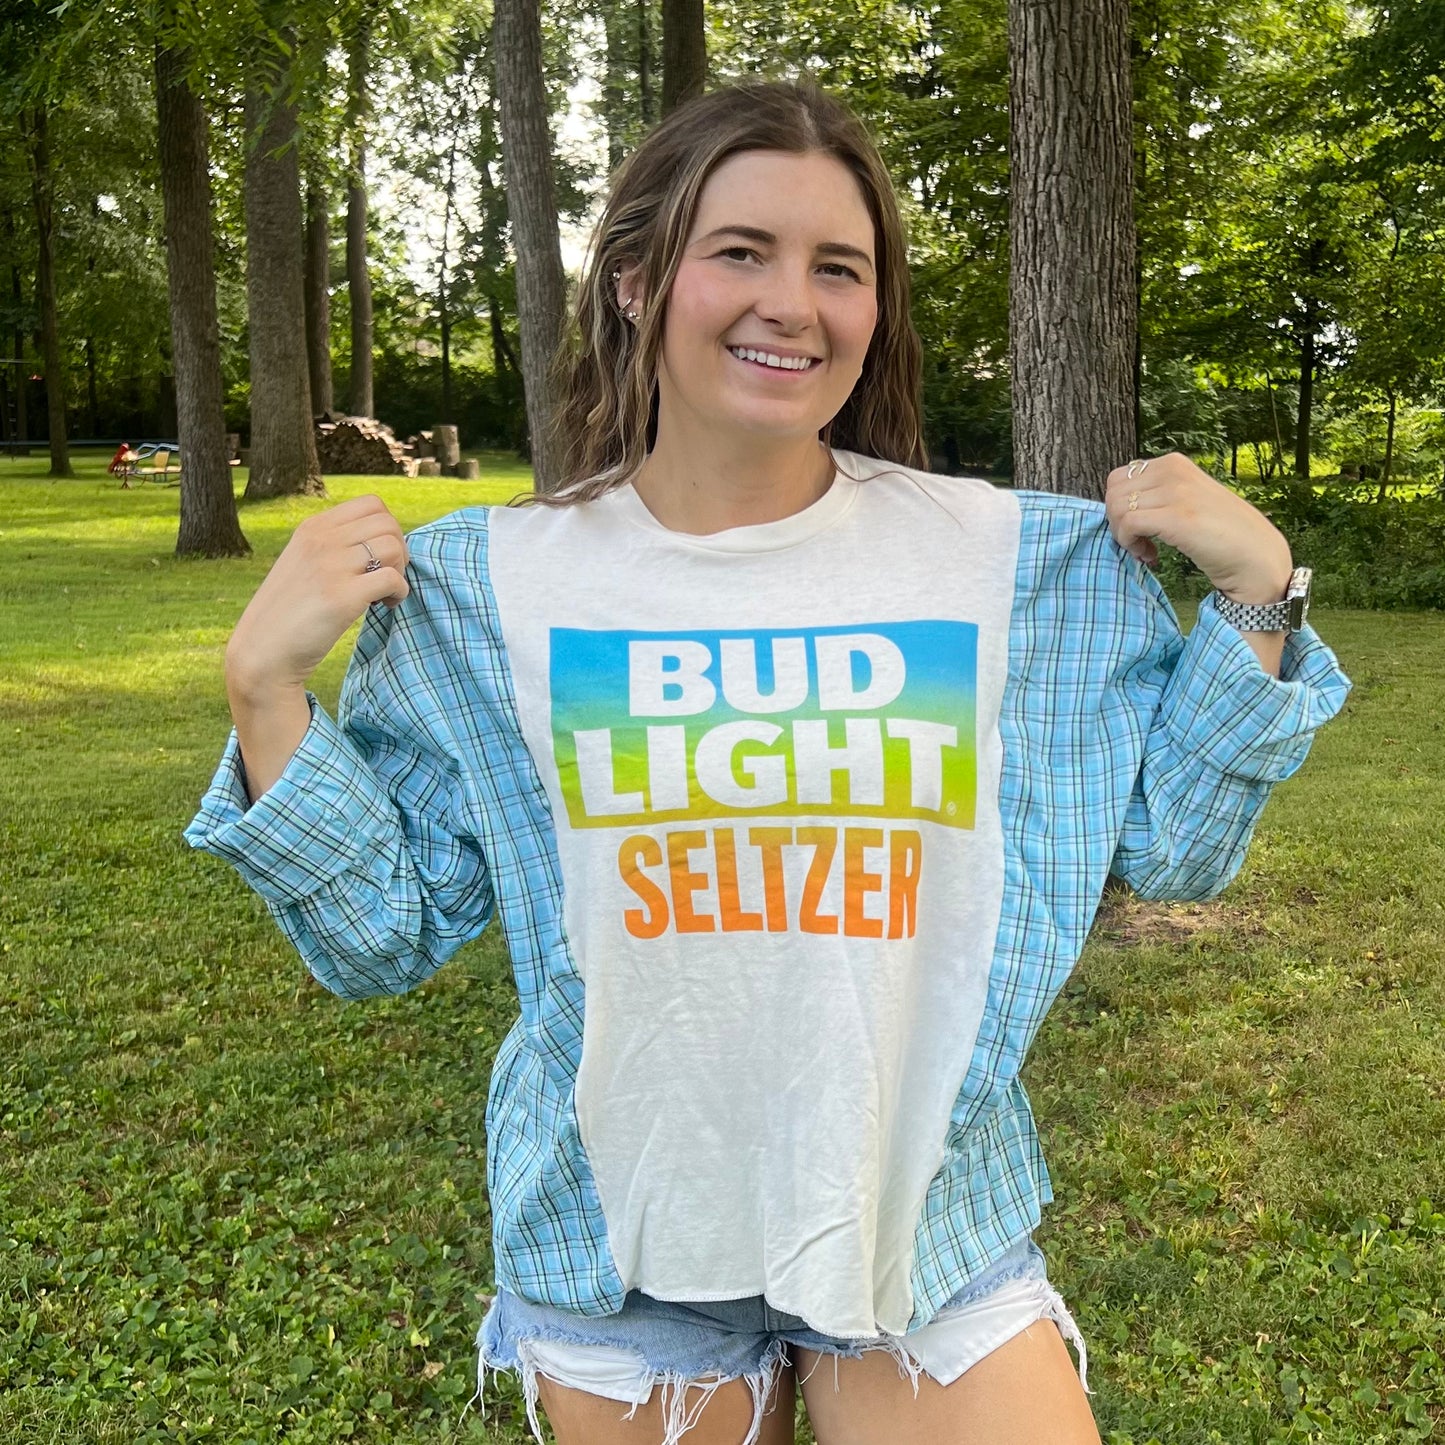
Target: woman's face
(775,298)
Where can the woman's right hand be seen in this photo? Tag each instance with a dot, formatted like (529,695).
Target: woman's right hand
(314,591)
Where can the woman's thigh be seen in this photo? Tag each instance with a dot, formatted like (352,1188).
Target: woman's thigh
(579,1418)
(1026,1392)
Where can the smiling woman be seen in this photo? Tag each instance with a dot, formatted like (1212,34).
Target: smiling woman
(796,774)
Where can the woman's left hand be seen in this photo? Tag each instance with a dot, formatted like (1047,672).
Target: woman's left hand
(1171,500)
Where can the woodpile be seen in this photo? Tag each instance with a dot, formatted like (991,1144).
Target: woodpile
(358,444)
(361,444)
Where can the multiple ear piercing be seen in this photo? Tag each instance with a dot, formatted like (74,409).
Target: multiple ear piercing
(629,314)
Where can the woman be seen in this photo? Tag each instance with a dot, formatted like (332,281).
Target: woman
(795,774)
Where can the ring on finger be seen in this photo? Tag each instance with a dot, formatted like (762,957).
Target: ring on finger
(1133,501)
(374,565)
(1140,465)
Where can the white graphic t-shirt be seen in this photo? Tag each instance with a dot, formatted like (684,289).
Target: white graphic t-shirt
(772,756)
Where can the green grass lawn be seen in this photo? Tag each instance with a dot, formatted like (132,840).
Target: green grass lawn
(236,1208)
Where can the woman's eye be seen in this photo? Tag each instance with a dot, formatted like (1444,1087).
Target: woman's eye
(837,268)
(737,253)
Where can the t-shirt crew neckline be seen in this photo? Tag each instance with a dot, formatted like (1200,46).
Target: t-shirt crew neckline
(759,537)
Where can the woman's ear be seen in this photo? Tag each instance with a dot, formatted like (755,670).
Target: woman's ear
(628,289)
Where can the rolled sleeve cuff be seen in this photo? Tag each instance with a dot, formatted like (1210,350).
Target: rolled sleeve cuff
(1223,707)
(323,812)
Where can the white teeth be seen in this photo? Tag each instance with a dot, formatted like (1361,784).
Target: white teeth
(767,358)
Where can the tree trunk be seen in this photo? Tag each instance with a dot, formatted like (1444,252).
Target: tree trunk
(91,408)
(1306,390)
(531,204)
(502,359)
(614,84)
(283,439)
(1073,310)
(444,310)
(43,194)
(684,52)
(318,297)
(1387,466)
(644,62)
(358,278)
(22,382)
(209,524)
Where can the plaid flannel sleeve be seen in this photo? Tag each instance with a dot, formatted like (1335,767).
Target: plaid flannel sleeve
(363,849)
(1223,732)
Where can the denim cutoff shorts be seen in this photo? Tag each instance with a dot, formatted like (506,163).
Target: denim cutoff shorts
(703,1344)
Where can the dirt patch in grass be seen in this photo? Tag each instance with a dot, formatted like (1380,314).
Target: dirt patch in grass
(1124,920)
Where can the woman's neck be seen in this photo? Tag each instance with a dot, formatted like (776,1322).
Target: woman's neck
(743,482)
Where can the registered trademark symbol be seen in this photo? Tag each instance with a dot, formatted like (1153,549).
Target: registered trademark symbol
(952,809)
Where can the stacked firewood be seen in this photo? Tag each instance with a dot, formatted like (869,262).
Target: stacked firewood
(359,444)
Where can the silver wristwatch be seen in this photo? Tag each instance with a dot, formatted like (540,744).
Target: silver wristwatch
(1284,616)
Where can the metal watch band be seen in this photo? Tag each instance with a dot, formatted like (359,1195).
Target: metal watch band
(1286,615)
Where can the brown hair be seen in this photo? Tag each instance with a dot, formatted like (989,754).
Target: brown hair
(606,417)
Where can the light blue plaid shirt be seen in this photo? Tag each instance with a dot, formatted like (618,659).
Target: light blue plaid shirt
(391,838)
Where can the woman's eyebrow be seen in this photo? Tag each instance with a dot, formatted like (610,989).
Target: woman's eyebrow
(766,238)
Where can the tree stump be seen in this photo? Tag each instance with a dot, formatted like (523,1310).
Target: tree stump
(428,467)
(469,470)
(444,441)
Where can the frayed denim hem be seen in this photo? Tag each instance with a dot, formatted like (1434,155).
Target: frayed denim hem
(678,1413)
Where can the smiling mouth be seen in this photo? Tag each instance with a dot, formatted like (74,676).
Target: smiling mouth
(772,361)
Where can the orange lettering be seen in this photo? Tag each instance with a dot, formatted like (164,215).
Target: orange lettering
(770,842)
(825,844)
(905,863)
(637,853)
(685,882)
(734,920)
(857,884)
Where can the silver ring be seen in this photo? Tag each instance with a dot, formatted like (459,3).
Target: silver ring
(375,564)
(1140,465)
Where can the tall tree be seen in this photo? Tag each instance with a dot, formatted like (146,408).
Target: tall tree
(42,182)
(20,381)
(531,204)
(1073,303)
(283,438)
(209,524)
(684,52)
(358,277)
(318,294)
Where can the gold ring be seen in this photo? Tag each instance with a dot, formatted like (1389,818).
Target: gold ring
(1133,501)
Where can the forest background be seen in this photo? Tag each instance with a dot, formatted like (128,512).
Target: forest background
(235,1208)
(1288,164)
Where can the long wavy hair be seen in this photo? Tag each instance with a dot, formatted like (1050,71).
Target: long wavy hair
(607,415)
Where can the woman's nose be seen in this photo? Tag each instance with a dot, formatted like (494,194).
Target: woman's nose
(787,298)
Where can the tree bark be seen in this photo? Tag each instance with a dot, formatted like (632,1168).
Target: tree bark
(318,297)
(531,204)
(43,195)
(17,297)
(1306,390)
(283,439)
(1073,310)
(684,52)
(614,84)
(209,524)
(645,99)
(358,278)
(1388,464)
